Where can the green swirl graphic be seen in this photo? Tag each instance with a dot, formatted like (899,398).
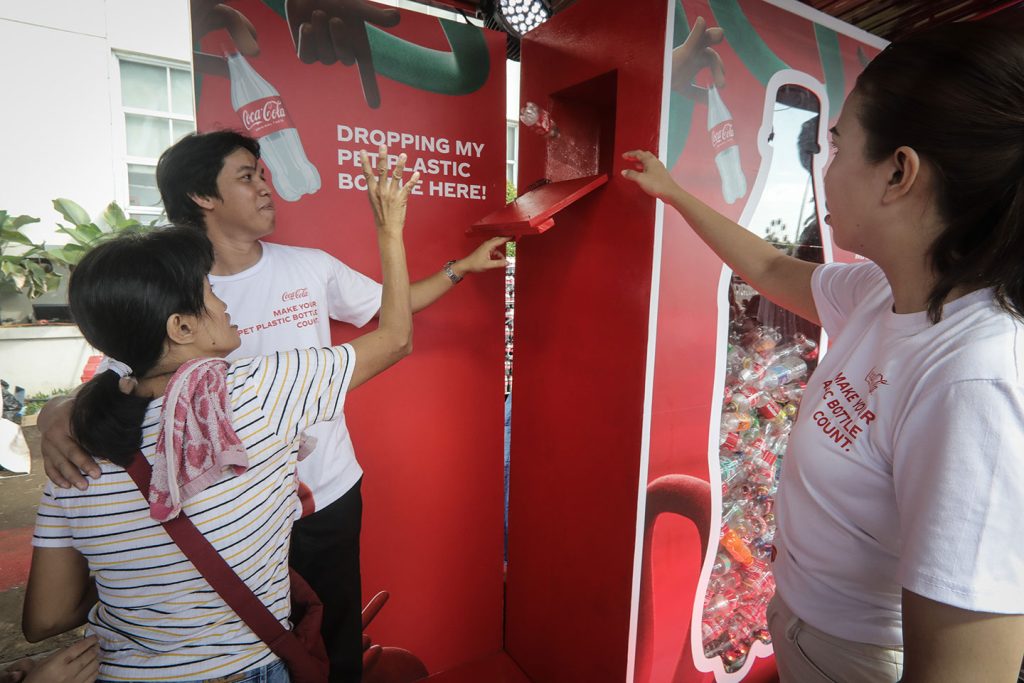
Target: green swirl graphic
(745,41)
(680,108)
(831,67)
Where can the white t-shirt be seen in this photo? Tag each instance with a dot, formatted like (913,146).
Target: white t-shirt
(286,301)
(906,465)
(157,618)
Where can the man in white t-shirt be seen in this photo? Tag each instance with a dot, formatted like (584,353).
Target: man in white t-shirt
(281,298)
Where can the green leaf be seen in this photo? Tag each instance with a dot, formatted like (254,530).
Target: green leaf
(36,270)
(85,234)
(19,221)
(13,236)
(71,211)
(67,255)
(114,216)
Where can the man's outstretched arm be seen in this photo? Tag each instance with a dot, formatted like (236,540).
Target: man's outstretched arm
(487,256)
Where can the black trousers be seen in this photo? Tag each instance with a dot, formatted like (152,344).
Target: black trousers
(325,551)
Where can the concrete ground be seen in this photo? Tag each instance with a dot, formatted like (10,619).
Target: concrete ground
(19,496)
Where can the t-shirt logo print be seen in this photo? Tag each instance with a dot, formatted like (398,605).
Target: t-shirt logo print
(875,379)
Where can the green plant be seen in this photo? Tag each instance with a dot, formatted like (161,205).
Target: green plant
(33,271)
(28,272)
(85,233)
(35,402)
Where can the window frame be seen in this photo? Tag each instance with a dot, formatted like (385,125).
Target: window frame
(512,153)
(122,159)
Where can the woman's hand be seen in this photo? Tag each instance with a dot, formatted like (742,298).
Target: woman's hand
(650,174)
(76,663)
(388,194)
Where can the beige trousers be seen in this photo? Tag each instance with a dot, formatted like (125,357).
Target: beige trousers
(803,654)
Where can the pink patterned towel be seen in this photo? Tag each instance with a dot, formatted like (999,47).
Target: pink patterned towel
(197,443)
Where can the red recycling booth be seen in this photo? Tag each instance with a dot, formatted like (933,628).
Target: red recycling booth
(653,390)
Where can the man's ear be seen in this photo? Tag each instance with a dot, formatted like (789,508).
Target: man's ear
(904,171)
(181,329)
(202,201)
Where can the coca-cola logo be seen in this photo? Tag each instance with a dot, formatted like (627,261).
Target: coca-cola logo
(264,116)
(271,112)
(300,293)
(723,135)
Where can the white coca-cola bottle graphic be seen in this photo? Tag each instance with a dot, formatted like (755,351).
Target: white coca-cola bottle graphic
(727,152)
(264,117)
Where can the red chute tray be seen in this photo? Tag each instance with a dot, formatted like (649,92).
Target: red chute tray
(532,213)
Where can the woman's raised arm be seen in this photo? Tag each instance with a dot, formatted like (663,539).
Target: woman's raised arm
(783,279)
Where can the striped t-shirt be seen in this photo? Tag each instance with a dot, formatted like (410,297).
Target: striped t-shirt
(157,619)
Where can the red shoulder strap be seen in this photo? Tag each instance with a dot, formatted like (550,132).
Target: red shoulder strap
(216,571)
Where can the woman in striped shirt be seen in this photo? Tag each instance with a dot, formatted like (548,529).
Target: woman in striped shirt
(100,558)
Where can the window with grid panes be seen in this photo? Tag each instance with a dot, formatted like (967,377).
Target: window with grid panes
(511,150)
(157,103)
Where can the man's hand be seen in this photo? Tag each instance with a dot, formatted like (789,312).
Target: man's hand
(487,256)
(695,54)
(649,173)
(329,31)
(63,459)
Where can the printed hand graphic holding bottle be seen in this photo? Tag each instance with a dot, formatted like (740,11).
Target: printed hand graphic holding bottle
(209,15)
(696,53)
(325,31)
(329,31)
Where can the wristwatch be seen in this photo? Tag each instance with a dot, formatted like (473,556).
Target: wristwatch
(452,275)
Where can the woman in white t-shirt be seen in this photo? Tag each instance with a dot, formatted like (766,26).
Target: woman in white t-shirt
(101,556)
(899,512)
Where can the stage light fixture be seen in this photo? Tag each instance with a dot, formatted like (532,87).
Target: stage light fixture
(521,16)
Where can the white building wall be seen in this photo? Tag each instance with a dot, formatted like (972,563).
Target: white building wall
(61,129)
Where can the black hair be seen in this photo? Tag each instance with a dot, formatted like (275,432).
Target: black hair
(191,166)
(955,94)
(121,295)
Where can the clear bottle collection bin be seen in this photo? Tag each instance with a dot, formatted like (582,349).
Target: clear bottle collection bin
(770,354)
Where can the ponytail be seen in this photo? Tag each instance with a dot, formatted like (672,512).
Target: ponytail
(1010,289)
(105,421)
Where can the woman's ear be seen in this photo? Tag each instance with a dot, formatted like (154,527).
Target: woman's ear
(904,172)
(181,329)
